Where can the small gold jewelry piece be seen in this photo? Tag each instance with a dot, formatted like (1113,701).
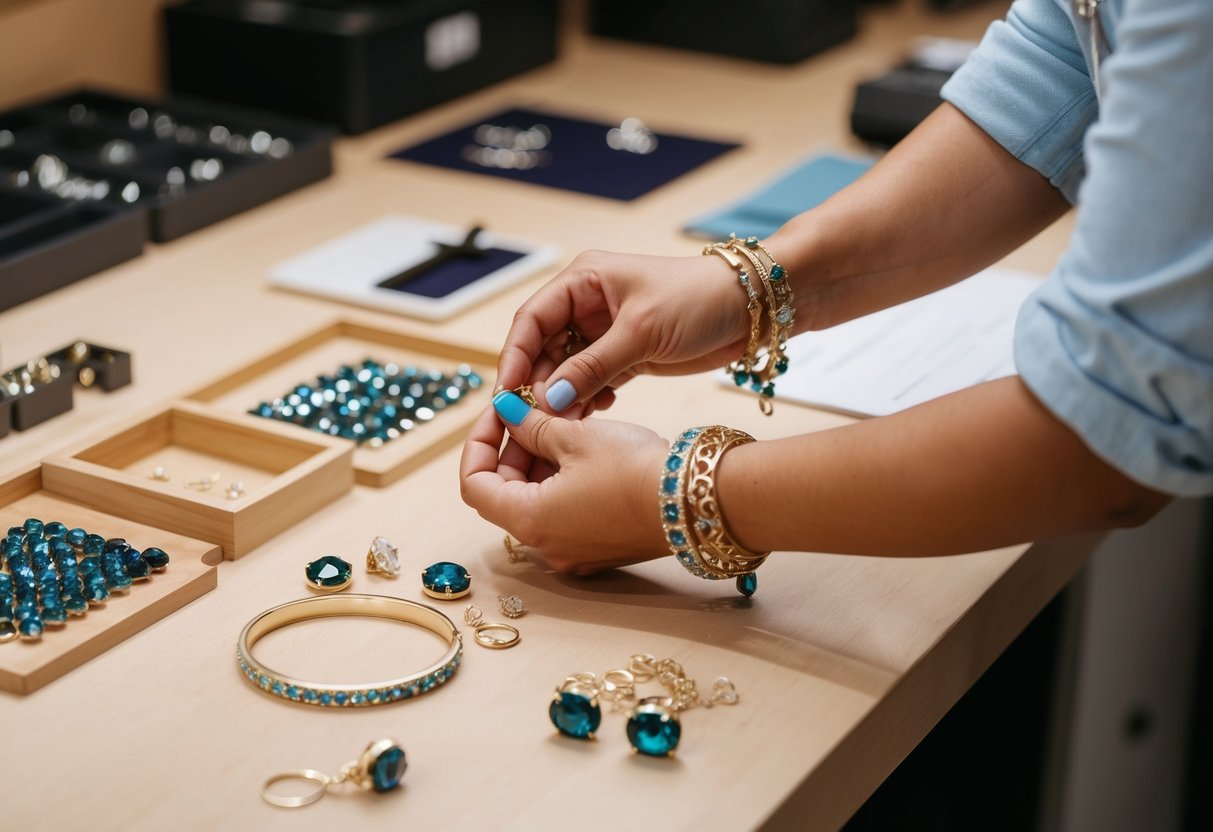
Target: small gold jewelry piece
(574,337)
(484,630)
(511,606)
(235,491)
(513,550)
(380,769)
(77,352)
(524,393)
(383,558)
(204,483)
(159,473)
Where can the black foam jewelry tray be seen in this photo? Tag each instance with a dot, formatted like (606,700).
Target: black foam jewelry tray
(190,139)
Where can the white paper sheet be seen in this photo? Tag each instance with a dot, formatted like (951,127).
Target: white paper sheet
(909,354)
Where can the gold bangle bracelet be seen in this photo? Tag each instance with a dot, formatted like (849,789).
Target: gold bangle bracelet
(742,367)
(715,549)
(375,693)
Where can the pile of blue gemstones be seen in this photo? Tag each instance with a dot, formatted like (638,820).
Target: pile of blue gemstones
(373,402)
(48,572)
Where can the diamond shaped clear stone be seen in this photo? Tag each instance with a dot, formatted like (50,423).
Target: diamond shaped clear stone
(386,556)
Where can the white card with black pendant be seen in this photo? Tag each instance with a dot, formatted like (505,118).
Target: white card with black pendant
(459,270)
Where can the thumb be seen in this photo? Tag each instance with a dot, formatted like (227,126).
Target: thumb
(529,426)
(585,373)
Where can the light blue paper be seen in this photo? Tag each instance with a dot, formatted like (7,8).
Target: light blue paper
(805,186)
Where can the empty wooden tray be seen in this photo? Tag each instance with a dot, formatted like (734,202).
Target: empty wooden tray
(284,475)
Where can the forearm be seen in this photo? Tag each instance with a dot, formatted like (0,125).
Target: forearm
(982,468)
(943,204)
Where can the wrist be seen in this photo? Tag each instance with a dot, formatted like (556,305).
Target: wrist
(801,246)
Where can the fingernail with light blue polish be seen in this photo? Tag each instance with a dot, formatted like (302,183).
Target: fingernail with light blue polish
(510,406)
(560,395)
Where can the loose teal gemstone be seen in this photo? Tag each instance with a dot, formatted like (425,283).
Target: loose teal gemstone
(388,769)
(777,273)
(76,537)
(747,584)
(446,577)
(575,714)
(329,572)
(157,559)
(30,627)
(55,531)
(653,731)
(33,526)
(673,462)
(54,614)
(94,544)
(670,512)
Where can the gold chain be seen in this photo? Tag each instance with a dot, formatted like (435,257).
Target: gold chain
(618,687)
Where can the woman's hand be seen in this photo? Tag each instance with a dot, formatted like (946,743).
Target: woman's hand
(608,317)
(582,494)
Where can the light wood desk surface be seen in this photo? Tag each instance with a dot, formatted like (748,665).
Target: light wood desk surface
(842,663)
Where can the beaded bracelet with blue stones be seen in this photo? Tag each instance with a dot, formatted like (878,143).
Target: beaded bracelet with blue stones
(759,370)
(52,572)
(690,512)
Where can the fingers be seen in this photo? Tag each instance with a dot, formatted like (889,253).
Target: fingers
(546,313)
(536,431)
(584,374)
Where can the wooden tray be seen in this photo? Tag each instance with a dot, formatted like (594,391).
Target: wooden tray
(349,341)
(27,666)
(287,475)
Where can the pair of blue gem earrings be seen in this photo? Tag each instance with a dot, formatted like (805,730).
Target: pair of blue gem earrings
(653,726)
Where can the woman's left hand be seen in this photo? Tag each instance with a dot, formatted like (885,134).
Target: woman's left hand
(581,493)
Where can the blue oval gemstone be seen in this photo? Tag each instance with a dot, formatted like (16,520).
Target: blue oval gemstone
(76,537)
(670,512)
(156,558)
(55,530)
(673,463)
(444,575)
(747,584)
(654,731)
(388,768)
(33,526)
(574,714)
(329,572)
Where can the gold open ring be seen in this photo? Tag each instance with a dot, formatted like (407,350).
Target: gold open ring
(295,801)
(485,638)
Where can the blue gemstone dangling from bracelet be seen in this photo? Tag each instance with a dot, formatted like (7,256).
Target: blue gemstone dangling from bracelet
(747,584)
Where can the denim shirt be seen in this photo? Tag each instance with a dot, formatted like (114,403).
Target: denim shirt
(1118,342)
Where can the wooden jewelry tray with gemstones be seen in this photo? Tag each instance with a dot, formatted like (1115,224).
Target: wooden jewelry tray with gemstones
(349,342)
(26,666)
(233,480)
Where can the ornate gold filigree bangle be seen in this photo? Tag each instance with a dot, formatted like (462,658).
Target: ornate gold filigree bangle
(376,693)
(690,511)
(744,366)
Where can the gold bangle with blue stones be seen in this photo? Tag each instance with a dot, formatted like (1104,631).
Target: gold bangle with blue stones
(690,512)
(782,312)
(351,695)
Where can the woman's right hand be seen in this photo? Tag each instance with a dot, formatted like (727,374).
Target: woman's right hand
(607,317)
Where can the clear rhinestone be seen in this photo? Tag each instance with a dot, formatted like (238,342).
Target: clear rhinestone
(785,316)
(385,556)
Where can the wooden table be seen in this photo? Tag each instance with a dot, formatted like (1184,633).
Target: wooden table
(843,663)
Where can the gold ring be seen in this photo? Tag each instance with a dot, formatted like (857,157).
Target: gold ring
(524,393)
(295,801)
(484,639)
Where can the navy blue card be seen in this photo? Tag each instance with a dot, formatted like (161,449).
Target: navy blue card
(575,157)
(452,275)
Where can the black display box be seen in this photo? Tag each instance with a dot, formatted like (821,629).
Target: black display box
(355,64)
(87,177)
(105,368)
(776,31)
(47,401)
(886,109)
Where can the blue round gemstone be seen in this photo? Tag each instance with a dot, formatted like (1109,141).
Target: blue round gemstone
(157,559)
(33,526)
(678,538)
(55,530)
(340,698)
(747,584)
(574,714)
(653,730)
(326,698)
(673,462)
(329,573)
(309,695)
(446,580)
(292,692)
(76,537)
(777,273)
(372,696)
(388,768)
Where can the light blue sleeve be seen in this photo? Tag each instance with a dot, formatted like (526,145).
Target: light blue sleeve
(1118,343)
(1027,85)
